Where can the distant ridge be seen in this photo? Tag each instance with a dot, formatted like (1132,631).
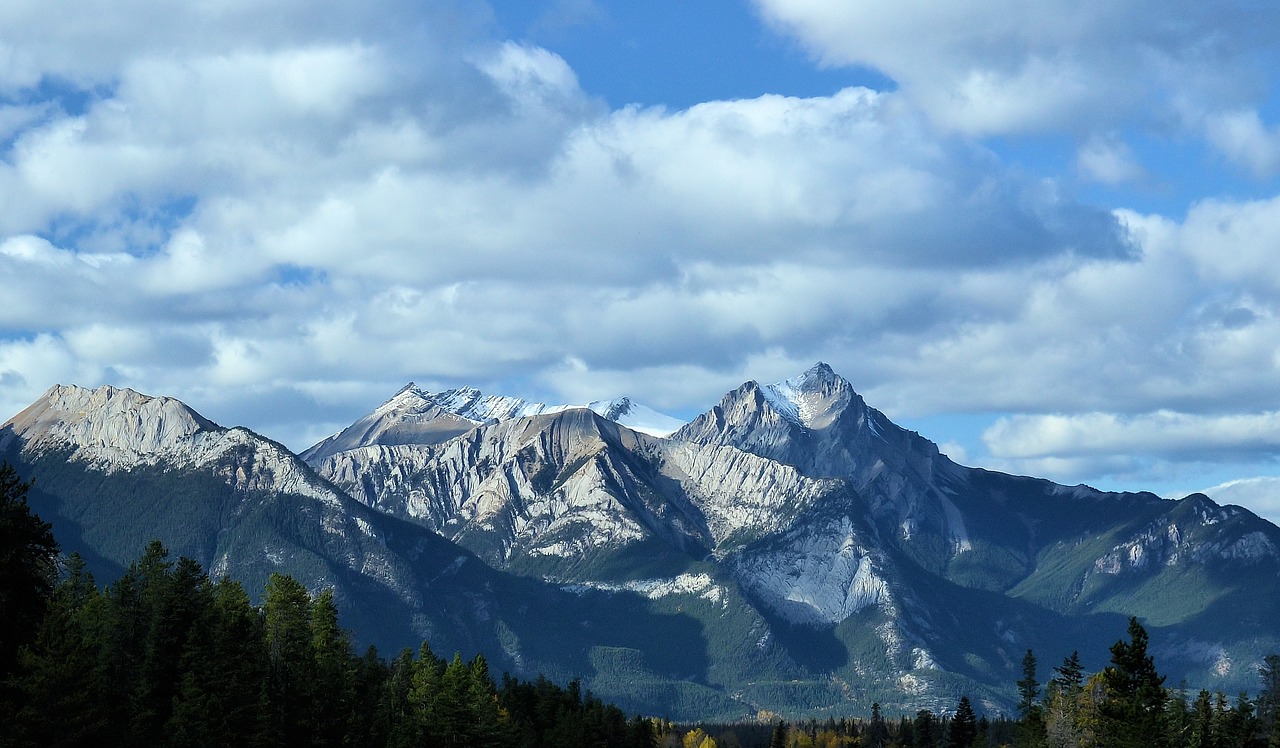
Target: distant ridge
(415,416)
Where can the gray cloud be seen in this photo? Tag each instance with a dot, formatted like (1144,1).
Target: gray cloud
(282,219)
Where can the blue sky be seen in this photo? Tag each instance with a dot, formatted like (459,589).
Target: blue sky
(1042,235)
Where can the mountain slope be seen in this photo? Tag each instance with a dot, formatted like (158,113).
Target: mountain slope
(822,512)
(791,549)
(115,469)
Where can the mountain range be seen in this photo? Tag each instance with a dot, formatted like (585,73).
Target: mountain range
(790,550)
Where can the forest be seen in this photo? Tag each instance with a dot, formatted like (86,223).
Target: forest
(167,656)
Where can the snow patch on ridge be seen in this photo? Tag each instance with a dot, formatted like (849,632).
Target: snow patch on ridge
(472,404)
(700,585)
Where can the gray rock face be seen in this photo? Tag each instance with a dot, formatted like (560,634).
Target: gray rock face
(411,416)
(109,425)
(817,423)
(414,416)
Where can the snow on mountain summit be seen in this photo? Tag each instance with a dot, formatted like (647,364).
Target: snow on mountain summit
(646,420)
(812,399)
(471,403)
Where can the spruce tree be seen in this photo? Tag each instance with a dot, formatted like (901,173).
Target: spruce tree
(963,729)
(60,678)
(877,731)
(1031,727)
(1132,710)
(28,570)
(290,666)
(1070,675)
(925,730)
(332,703)
(489,718)
(423,723)
(1269,700)
(222,698)
(778,738)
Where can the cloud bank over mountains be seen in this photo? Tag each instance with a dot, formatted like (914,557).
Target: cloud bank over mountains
(300,206)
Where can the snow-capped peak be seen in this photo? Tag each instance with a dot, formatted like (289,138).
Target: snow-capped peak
(636,417)
(409,397)
(471,403)
(813,399)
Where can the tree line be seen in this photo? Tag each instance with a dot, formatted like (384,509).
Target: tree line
(167,656)
(1125,705)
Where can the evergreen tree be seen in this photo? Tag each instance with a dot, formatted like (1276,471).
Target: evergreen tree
(925,730)
(396,716)
(488,716)
(222,699)
(28,571)
(1177,718)
(1070,675)
(1202,723)
(1269,700)
(422,721)
(60,678)
(1061,707)
(963,729)
(778,739)
(371,676)
(1133,706)
(331,705)
(1031,728)
(290,667)
(1240,724)
(453,724)
(877,731)
(173,598)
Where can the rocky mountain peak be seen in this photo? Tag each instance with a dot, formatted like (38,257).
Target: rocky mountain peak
(411,416)
(814,400)
(407,397)
(614,409)
(106,417)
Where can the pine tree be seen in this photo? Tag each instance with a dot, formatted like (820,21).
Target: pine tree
(60,678)
(1202,722)
(925,730)
(222,698)
(28,569)
(778,738)
(963,729)
(173,599)
(1031,727)
(422,723)
(395,712)
(1269,700)
(1070,676)
(371,677)
(877,731)
(1177,717)
(290,667)
(1133,708)
(1061,707)
(489,717)
(331,704)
